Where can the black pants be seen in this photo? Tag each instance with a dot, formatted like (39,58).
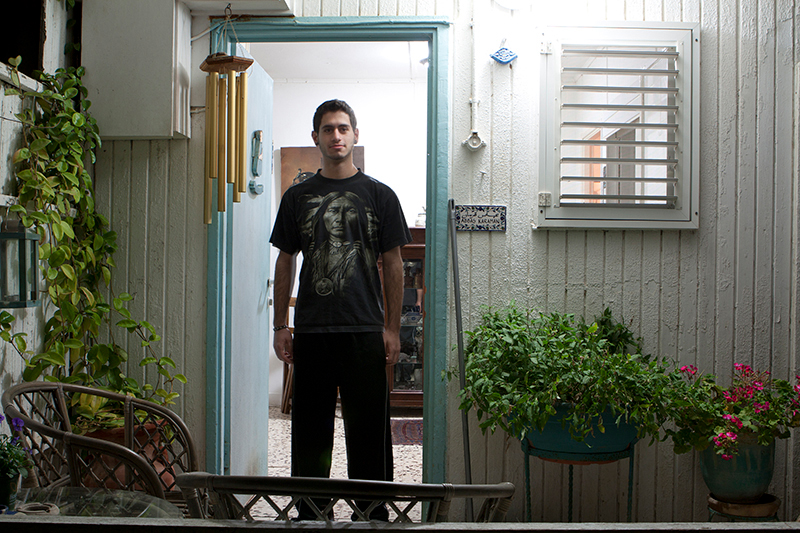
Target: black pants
(355,365)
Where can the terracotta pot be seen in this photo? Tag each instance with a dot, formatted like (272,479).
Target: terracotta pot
(152,451)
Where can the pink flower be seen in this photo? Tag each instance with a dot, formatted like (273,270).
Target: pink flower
(733,420)
(760,407)
(689,370)
(727,457)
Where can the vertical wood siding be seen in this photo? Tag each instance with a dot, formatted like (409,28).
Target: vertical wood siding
(152,191)
(724,293)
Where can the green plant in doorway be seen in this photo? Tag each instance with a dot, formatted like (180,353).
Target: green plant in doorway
(56,199)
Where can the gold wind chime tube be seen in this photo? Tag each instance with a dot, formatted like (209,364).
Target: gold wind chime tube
(233,132)
(231,126)
(222,120)
(212,81)
(241,138)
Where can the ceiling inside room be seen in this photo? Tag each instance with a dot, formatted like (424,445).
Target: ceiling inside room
(386,60)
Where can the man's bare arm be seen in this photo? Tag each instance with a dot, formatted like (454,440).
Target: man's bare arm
(284,280)
(393,288)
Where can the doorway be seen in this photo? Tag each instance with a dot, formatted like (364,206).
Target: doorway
(435,33)
(386,84)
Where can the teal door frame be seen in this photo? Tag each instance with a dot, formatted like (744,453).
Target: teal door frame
(435,31)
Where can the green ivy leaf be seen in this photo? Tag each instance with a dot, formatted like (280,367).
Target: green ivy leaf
(67,229)
(68,271)
(23,154)
(39,144)
(6,317)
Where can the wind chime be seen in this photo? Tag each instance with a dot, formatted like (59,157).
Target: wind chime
(226,127)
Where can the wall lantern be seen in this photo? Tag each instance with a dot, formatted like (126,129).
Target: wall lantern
(19,266)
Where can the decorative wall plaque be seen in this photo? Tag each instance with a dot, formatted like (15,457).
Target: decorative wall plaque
(480,217)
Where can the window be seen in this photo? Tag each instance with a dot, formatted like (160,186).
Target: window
(27,39)
(619,118)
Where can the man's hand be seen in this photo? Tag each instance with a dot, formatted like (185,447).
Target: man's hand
(282,342)
(391,342)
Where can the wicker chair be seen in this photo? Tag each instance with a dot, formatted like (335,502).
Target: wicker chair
(153,449)
(227,492)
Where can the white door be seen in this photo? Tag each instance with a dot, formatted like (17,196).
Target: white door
(239,264)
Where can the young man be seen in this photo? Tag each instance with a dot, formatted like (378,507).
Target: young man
(342,221)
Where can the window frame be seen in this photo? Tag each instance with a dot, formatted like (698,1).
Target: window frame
(685,213)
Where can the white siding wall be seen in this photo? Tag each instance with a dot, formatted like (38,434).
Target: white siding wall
(710,297)
(722,294)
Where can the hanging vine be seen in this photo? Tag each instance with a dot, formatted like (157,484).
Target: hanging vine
(56,199)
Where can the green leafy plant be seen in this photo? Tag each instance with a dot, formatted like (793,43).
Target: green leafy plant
(520,365)
(14,459)
(706,413)
(56,199)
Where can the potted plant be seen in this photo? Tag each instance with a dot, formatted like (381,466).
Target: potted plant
(14,463)
(527,371)
(85,316)
(733,427)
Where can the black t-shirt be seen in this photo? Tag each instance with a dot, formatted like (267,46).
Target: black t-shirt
(341,227)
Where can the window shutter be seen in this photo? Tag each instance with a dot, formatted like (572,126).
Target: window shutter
(620,117)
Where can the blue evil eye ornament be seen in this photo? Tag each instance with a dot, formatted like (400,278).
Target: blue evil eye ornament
(504,56)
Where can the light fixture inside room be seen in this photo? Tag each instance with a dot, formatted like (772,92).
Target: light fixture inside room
(19,270)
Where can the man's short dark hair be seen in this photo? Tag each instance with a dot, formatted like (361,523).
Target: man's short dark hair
(332,106)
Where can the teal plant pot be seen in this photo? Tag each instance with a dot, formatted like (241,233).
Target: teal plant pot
(745,478)
(8,490)
(556,438)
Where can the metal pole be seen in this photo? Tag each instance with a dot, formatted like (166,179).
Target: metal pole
(460,339)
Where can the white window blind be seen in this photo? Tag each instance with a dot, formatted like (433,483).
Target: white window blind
(619,128)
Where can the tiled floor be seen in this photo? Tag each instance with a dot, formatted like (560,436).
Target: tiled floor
(407,460)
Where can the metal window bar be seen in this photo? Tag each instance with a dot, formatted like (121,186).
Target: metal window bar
(605,52)
(615,90)
(568,197)
(622,107)
(600,178)
(619,125)
(618,161)
(595,71)
(610,142)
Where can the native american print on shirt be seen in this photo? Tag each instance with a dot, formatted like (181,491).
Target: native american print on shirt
(342,231)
